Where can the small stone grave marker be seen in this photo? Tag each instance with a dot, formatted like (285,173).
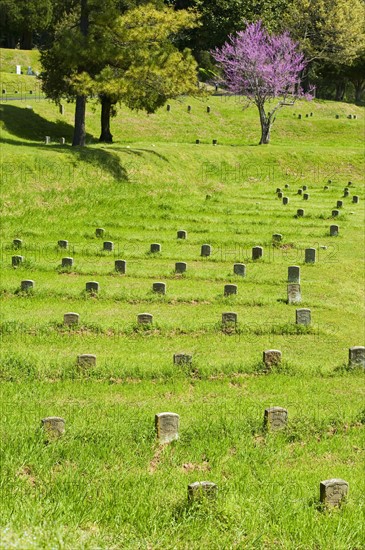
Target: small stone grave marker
(208,109)
(47,140)
(99,232)
(294,274)
(215,142)
(294,296)
(53,427)
(155,247)
(303,316)
(335,213)
(278,190)
(205,250)
(304,187)
(280,195)
(92,286)
(189,108)
(16,261)
(197,141)
(71,319)
(334,230)
(108,245)
(62,141)
(306,196)
(230,289)
(339,204)
(239,269)
(62,243)
(67,262)
(272,357)
(286,186)
(257,252)
(145,318)
(346,193)
(86,360)
(300,213)
(182,234)
(275,419)
(202,490)
(62,109)
(310,255)
(357,356)
(17,243)
(277,237)
(332,492)
(182,358)
(159,288)
(326,188)
(300,191)
(168,107)
(120,266)
(180,267)
(355,199)
(285,200)
(167,427)
(26,285)
(229,317)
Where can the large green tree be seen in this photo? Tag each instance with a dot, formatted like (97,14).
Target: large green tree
(21,19)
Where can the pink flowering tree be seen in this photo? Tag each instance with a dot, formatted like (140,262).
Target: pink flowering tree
(262,68)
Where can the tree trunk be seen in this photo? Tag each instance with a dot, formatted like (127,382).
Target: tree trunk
(265,126)
(340,90)
(359,88)
(79,136)
(26,42)
(106,105)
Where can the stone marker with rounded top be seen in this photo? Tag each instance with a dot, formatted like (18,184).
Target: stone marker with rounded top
(71,318)
(17,243)
(120,266)
(168,107)
(197,141)
(62,141)
(47,140)
(294,274)
(159,288)
(275,419)
(280,195)
(99,232)
(167,427)
(303,316)
(294,296)
(334,230)
(189,108)
(300,191)
(208,109)
(17,260)
(285,200)
(346,192)
(325,188)
(310,255)
(229,317)
(108,245)
(332,492)
(92,286)
(335,213)
(62,243)
(239,269)
(287,186)
(182,358)
(271,357)
(53,426)
(180,267)
(355,199)
(277,237)
(357,356)
(306,196)
(215,142)
(26,285)
(257,252)
(202,490)
(339,204)
(278,190)
(304,187)
(145,319)
(155,247)
(86,360)
(182,234)
(300,213)
(205,250)
(230,289)
(67,262)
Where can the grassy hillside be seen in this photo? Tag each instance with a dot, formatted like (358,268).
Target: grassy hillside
(107,483)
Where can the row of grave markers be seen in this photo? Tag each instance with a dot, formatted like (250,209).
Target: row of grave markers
(333,492)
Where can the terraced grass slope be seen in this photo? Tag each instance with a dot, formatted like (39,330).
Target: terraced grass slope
(106,483)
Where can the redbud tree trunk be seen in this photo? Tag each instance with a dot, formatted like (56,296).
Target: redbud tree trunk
(265,125)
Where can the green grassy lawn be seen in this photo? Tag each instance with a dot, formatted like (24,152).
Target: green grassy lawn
(106,483)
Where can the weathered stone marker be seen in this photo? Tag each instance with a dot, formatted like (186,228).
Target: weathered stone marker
(62,141)
(239,269)
(300,213)
(92,286)
(53,427)
(335,213)
(202,490)
(287,186)
(294,296)
(168,107)
(355,199)
(280,195)
(339,204)
(145,319)
(159,288)
(62,109)
(26,285)
(230,289)
(215,142)
(208,109)
(332,492)
(257,252)
(326,188)
(17,260)
(357,356)
(67,262)
(62,243)
(120,266)
(304,187)
(303,316)
(300,191)
(306,196)
(346,192)
(71,319)
(229,317)
(155,247)
(197,141)
(299,116)
(294,274)
(277,237)
(86,360)
(180,267)
(189,108)
(167,427)
(334,229)
(17,243)
(278,190)
(275,419)
(99,232)
(285,200)
(205,250)
(271,357)
(182,359)
(108,245)
(47,140)
(310,255)
(182,234)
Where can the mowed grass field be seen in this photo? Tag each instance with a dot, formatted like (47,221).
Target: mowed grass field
(107,484)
